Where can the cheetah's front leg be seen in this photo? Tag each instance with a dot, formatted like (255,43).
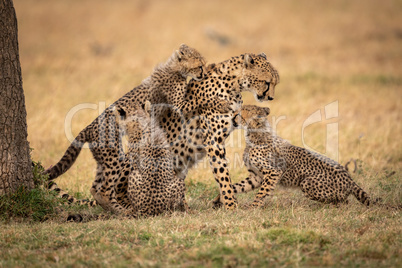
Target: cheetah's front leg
(271,178)
(218,162)
(248,184)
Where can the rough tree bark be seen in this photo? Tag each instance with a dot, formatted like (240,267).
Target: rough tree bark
(15,160)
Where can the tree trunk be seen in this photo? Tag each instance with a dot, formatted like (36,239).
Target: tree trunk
(15,160)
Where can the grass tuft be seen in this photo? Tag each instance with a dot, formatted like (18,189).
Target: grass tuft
(37,204)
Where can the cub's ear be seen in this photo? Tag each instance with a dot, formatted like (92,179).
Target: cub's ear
(122,113)
(183,47)
(119,113)
(248,61)
(262,54)
(147,107)
(267,111)
(178,55)
(211,66)
(181,52)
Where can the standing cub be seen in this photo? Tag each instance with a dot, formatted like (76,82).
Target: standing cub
(270,159)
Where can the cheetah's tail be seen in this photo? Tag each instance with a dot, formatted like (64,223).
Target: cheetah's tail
(85,217)
(68,158)
(53,186)
(361,195)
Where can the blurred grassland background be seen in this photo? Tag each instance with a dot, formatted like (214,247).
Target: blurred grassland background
(92,52)
(75,52)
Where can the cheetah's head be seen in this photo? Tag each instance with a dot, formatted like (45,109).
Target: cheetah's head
(259,76)
(132,124)
(190,62)
(250,115)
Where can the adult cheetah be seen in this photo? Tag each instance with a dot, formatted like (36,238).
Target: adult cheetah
(270,159)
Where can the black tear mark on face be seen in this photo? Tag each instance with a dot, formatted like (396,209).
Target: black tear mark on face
(260,97)
(235,119)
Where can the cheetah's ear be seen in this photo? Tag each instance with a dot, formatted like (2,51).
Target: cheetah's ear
(119,113)
(211,66)
(267,111)
(122,113)
(178,55)
(248,61)
(182,48)
(181,52)
(262,54)
(147,107)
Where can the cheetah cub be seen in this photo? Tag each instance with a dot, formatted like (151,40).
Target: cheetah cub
(168,83)
(152,187)
(271,159)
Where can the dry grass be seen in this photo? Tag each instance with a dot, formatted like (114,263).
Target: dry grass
(75,52)
(292,231)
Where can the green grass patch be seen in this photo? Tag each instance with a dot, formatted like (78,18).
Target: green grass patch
(37,204)
(288,236)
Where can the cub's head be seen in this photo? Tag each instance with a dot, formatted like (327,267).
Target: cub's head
(133,124)
(259,76)
(190,62)
(251,116)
